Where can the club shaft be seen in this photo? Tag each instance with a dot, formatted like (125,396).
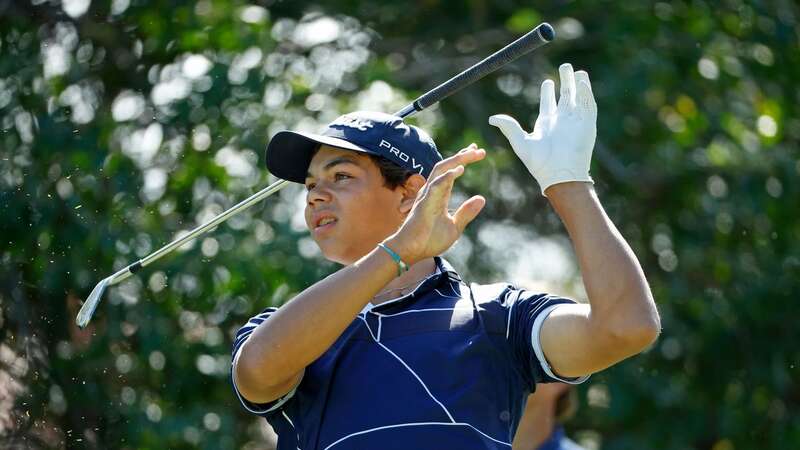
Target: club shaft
(219,218)
(199,230)
(532,40)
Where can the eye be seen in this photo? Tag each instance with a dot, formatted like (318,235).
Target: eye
(310,186)
(341,176)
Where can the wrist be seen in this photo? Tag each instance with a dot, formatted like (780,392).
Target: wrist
(553,178)
(562,195)
(402,267)
(404,249)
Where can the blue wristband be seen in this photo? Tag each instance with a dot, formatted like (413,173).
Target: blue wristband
(401,265)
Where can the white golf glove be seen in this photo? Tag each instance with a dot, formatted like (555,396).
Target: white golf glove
(560,148)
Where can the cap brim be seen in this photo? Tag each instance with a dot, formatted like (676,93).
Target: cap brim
(289,153)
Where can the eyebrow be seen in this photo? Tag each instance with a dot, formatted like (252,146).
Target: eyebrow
(336,162)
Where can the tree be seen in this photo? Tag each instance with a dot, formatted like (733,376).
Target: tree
(123,124)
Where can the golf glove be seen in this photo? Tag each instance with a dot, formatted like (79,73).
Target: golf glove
(560,147)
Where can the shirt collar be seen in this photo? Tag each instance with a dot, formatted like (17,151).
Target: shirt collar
(445,273)
(446,269)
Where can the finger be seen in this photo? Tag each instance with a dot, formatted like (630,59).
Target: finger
(582,75)
(468,211)
(567,99)
(438,192)
(547,102)
(465,156)
(509,127)
(585,100)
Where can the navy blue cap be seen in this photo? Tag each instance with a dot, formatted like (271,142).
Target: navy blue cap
(289,152)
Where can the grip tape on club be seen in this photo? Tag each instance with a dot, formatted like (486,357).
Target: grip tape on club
(534,39)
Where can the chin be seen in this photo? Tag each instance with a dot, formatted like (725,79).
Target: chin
(336,255)
(337,259)
(340,255)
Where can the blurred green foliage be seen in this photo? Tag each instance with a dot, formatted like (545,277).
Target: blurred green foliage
(123,123)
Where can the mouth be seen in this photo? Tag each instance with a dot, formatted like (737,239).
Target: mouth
(325,223)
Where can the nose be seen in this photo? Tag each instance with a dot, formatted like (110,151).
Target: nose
(318,194)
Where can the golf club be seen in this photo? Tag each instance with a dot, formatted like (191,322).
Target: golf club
(534,39)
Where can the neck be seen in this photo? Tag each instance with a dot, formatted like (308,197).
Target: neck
(406,282)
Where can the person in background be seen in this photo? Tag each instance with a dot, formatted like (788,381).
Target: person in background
(541,426)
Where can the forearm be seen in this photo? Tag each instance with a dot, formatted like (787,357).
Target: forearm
(620,298)
(305,327)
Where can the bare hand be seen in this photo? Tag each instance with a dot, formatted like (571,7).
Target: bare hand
(430,229)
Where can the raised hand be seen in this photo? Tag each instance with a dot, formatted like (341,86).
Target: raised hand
(430,229)
(560,147)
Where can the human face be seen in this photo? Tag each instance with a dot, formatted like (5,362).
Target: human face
(349,210)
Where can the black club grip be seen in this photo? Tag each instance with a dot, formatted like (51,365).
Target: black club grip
(534,39)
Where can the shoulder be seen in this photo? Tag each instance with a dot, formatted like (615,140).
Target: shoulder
(245,330)
(504,305)
(506,295)
(258,318)
(266,312)
(493,303)
(489,295)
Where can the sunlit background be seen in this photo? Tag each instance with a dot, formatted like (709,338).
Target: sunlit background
(125,123)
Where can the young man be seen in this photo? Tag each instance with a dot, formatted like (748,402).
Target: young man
(395,351)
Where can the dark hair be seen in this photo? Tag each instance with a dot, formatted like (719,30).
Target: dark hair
(393,175)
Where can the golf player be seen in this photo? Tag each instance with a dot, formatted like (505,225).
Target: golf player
(395,350)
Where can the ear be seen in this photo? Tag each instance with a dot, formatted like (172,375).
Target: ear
(410,189)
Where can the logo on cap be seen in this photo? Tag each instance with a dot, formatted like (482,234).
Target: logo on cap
(400,154)
(352,122)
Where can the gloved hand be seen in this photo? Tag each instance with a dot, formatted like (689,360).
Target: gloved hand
(560,147)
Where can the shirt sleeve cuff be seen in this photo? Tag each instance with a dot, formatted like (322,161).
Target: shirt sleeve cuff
(261,408)
(537,348)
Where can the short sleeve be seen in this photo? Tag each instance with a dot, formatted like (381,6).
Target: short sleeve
(260,409)
(527,312)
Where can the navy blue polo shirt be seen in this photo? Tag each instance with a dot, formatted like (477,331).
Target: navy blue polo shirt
(446,366)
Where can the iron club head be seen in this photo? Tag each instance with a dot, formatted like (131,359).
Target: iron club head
(87,310)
